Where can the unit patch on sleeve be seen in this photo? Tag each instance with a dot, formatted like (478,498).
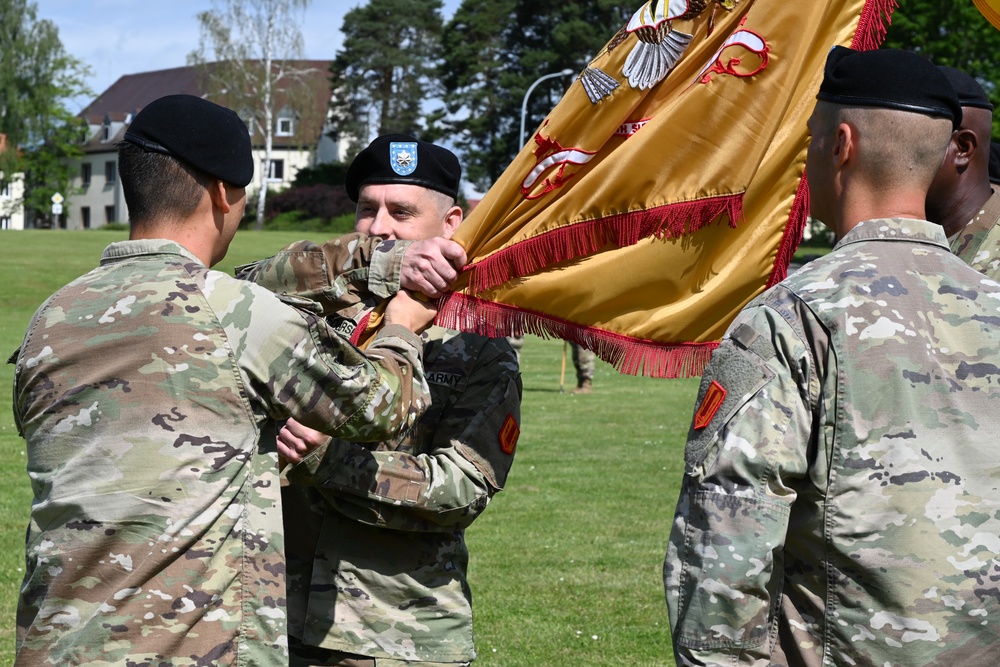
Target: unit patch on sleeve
(733,378)
(509,433)
(710,404)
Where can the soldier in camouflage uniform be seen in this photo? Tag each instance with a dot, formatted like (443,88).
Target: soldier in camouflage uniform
(961,197)
(375,542)
(584,362)
(840,504)
(144,389)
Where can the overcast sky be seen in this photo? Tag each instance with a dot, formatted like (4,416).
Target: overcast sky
(118,37)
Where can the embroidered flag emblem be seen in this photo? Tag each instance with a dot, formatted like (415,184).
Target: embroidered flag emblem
(403,157)
(509,433)
(710,404)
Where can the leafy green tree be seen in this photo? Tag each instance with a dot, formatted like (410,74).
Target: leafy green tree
(255,43)
(952,33)
(37,81)
(385,71)
(475,72)
(494,51)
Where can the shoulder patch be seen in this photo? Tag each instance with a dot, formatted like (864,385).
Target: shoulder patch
(732,378)
(509,433)
(710,404)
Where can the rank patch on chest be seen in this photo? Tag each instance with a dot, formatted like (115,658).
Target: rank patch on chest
(710,404)
(509,433)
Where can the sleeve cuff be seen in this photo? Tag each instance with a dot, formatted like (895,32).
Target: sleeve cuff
(398,331)
(386,267)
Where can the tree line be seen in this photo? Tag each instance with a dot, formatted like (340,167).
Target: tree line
(404,67)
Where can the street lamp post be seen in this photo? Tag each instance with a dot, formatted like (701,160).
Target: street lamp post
(524,103)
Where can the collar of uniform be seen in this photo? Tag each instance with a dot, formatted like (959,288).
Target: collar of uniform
(128,249)
(896,229)
(988,214)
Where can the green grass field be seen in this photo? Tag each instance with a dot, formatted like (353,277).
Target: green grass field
(566,564)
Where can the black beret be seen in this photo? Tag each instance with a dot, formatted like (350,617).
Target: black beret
(994,162)
(970,93)
(206,136)
(400,158)
(888,79)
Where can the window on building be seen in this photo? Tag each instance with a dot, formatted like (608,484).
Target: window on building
(285,127)
(5,222)
(277,171)
(85,216)
(109,171)
(85,169)
(5,191)
(106,132)
(109,214)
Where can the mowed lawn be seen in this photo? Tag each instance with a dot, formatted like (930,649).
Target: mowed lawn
(566,563)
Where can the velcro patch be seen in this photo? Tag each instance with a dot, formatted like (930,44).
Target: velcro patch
(710,404)
(509,433)
(740,375)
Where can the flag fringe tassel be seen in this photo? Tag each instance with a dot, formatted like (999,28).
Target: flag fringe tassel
(873,24)
(630,356)
(792,236)
(587,238)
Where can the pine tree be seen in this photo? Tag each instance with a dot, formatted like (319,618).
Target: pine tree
(384,74)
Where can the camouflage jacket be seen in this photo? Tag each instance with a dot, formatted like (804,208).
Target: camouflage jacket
(979,243)
(840,503)
(375,542)
(144,390)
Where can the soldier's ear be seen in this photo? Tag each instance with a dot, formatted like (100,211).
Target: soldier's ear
(452,219)
(965,143)
(217,193)
(843,145)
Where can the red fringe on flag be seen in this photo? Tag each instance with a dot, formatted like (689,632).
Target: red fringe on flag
(586,238)
(630,356)
(873,24)
(792,235)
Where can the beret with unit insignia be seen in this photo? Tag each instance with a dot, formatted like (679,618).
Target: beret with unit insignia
(400,158)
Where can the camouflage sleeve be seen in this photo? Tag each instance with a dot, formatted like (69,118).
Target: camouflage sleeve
(295,365)
(746,455)
(339,274)
(469,457)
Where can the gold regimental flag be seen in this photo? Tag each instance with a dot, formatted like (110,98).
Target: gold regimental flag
(665,189)
(990,9)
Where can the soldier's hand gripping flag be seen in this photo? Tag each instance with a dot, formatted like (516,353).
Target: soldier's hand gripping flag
(665,190)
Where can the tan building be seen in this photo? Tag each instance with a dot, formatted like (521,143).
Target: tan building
(11,208)
(299,139)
